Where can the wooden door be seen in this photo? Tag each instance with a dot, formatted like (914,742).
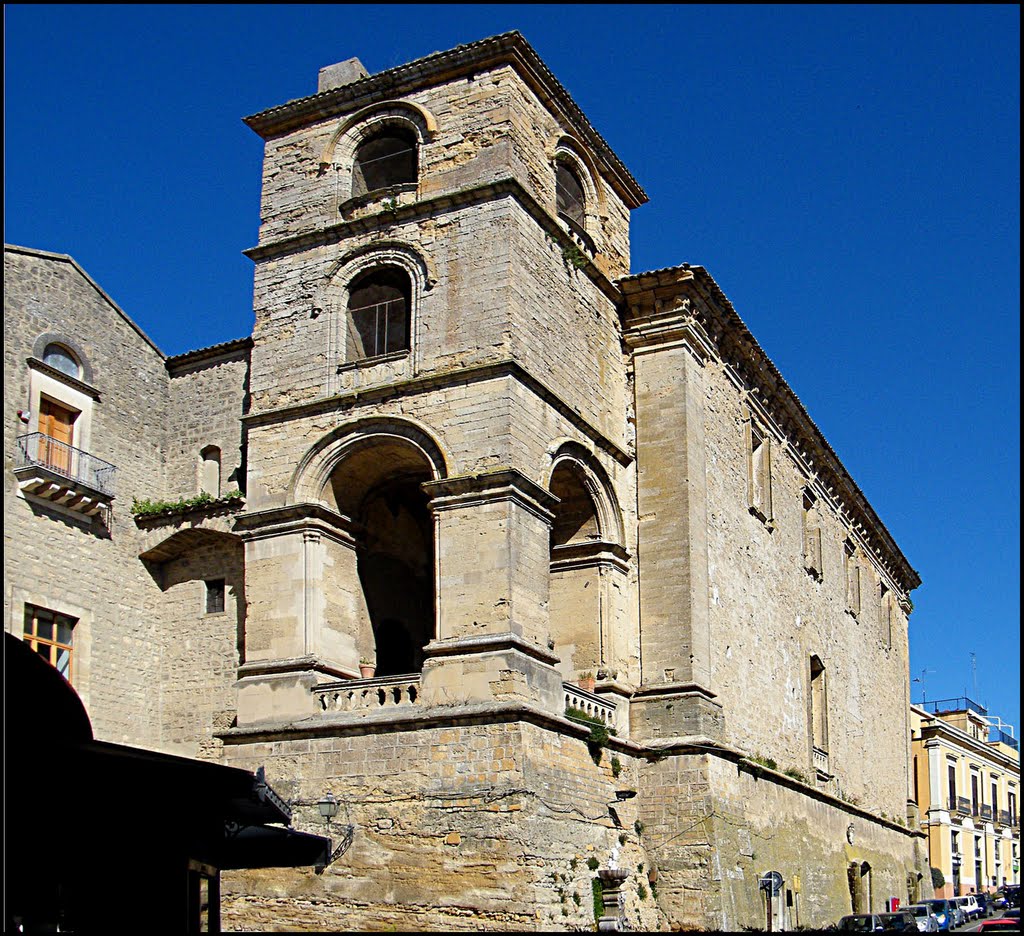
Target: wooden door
(56,423)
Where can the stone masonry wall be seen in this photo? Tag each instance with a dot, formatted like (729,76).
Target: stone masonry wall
(769,615)
(489,127)
(460,828)
(207,400)
(52,558)
(199,662)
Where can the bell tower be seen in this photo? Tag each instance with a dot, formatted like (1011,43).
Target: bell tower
(436,355)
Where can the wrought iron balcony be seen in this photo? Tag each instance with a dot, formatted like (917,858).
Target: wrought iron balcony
(61,473)
(963,805)
(986,811)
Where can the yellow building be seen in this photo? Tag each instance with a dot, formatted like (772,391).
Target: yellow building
(966,776)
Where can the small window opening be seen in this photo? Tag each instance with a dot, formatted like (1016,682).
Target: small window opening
(49,633)
(819,706)
(378,314)
(60,358)
(209,480)
(570,199)
(386,159)
(812,535)
(759,471)
(215,591)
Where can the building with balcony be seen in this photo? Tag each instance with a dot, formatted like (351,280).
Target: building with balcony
(966,784)
(536,564)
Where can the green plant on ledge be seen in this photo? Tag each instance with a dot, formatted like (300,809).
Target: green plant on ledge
(599,731)
(572,255)
(150,508)
(768,762)
(796,774)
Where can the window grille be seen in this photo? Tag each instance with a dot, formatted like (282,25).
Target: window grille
(382,161)
(378,315)
(569,196)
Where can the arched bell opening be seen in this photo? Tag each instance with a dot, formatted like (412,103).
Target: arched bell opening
(575,585)
(378,485)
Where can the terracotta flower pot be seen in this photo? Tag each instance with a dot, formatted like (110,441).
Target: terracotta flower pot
(587,683)
(366,670)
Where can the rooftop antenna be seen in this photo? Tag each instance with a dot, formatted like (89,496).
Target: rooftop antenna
(974,675)
(920,679)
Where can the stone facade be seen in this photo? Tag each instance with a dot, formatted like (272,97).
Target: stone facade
(552,473)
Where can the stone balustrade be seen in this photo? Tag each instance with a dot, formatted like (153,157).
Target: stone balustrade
(821,762)
(368,695)
(593,705)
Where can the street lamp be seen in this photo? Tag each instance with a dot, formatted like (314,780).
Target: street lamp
(328,807)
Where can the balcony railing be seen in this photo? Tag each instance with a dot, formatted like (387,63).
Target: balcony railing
(820,759)
(986,811)
(1004,817)
(958,704)
(593,705)
(963,805)
(38,450)
(368,695)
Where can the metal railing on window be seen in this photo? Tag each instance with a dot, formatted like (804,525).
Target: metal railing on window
(40,450)
(377,329)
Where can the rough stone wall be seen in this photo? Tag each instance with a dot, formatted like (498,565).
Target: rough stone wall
(198,665)
(456,828)
(52,558)
(207,399)
(712,828)
(489,127)
(768,616)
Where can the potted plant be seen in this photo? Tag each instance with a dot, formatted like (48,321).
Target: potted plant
(586,681)
(367,669)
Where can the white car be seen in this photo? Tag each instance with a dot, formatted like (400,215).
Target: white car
(926,921)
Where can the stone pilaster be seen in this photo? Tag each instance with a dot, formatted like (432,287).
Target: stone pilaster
(492,535)
(306,620)
(669,354)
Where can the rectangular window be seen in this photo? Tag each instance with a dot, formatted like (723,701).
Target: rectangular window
(812,536)
(759,471)
(995,798)
(49,633)
(951,778)
(1011,807)
(852,578)
(974,794)
(214,596)
(885,615)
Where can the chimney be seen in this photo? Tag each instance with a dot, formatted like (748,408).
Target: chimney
(335,76)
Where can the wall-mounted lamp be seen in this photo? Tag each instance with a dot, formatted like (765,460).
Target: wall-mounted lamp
(328,806)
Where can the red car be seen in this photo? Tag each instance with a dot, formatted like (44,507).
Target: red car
(1000,925)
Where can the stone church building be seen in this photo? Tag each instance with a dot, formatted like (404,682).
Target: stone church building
(538,566)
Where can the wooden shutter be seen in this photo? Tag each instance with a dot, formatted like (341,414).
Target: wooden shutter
(57,423)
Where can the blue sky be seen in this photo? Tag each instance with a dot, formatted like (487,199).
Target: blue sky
(848,174)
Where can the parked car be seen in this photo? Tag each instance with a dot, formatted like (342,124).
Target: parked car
(902,922)
(969,906)
(1000,925)
(1013,913)
(943,913)
(925,919)
(956,914)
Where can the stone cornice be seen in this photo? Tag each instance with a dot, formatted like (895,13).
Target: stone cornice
(488,643)
(427,383)
(80,385)
(504,484)
(431,207)
(686,302)
(297,518)
(588,555)
(471,59)
(205,357)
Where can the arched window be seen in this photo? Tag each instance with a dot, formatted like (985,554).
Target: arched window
(209,470)
(378,314)
(60,358)
(569,196)
(384,159)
